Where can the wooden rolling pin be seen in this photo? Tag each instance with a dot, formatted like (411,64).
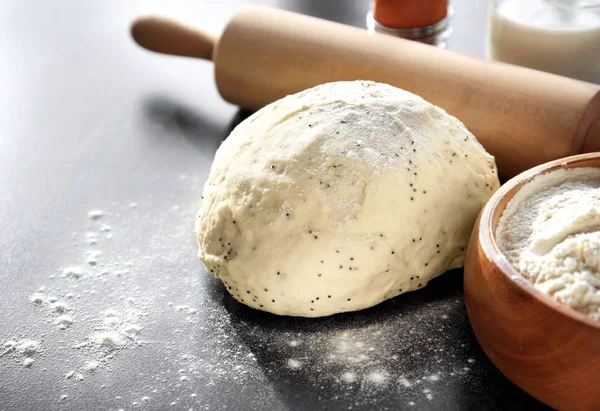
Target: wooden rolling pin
(521,116)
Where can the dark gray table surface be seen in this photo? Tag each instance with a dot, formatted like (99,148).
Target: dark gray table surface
(90,121)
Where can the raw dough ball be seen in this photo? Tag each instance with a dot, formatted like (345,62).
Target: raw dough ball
(340,197)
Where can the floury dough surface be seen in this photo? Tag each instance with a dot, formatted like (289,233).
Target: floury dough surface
(550,232)
(340,197)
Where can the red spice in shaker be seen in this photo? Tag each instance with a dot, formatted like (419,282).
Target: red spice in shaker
(427,21)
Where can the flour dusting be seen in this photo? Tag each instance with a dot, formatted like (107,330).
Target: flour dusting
(112,302)
(96,214)
(294,364)
(550,232)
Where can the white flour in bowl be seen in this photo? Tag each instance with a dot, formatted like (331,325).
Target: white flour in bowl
(550,231)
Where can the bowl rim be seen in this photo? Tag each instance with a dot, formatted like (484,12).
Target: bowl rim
(489,246)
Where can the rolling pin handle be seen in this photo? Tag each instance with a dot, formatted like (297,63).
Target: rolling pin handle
(163,35)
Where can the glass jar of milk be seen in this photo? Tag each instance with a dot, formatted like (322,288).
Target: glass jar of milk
(557,36)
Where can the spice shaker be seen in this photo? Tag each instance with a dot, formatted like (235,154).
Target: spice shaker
(426,21)
(557,36)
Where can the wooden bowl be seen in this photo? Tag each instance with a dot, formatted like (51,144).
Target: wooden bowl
(546,348)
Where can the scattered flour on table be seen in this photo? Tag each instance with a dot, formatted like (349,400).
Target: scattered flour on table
(359,359)
(37,298)
(92,365)
(64,321)
(73,271)
(349,377)
(404,382)
(95,311)
(24,350)
(28,362)
(96,214)
(74,303)
(377,377)
(28,347)
(294,364)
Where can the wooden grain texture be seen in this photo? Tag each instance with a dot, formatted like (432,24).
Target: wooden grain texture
(167,36)
(522,116)
(547,349)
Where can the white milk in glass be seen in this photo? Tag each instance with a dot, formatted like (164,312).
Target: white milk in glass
(561,37)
